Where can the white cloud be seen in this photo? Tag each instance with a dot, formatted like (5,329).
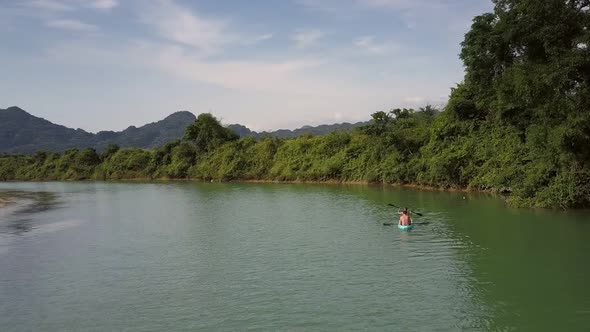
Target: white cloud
(50,5)
(368,45)
(180,25)
(413,5)
(270,84)
(269,94)
(263,37)
(290,75)
(240,75)
(249,40)
(399,4)
(306,38)
(72,25)
(445,15)
(328,6)
(104,4)
(71,5)
(333,5)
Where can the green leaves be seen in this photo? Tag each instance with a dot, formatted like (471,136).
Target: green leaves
(206,133)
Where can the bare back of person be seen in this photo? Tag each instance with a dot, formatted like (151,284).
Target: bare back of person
(404,218)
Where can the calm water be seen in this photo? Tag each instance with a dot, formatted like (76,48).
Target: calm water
(192,256)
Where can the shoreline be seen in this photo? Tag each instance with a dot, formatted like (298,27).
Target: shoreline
(365,183)
(328,182)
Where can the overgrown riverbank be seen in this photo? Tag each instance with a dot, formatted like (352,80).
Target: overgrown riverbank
(396,150)
(519,123)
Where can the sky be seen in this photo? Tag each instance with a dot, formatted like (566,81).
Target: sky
(266,64)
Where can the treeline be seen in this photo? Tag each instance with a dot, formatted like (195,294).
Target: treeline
(519,123)
(383,152)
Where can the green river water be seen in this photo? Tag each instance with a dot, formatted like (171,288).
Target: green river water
(184,256)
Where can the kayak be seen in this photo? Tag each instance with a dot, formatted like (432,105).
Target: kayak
(405,228)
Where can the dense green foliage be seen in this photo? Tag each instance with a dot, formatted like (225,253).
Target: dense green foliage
(518,123)
(521,117)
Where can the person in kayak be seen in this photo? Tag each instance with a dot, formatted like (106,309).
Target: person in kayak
(404,218)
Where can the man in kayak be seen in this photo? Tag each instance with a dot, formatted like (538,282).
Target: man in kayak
(404,218)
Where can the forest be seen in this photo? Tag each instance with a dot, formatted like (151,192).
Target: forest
(519,124)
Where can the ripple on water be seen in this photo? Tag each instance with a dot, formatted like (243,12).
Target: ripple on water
(28,215)
(191,256)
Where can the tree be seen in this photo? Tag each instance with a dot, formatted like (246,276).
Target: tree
(527,70)
(110,150)
(206,133)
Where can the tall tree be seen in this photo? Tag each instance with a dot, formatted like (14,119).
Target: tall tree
(527,67)
(207,133)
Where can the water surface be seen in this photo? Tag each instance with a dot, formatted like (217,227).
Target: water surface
(194,256)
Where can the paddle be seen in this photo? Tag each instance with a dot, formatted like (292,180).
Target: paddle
(418,213)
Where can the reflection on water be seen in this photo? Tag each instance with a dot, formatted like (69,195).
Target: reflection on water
(19,217)
(19,226)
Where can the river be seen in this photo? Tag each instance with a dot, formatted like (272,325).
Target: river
(224,257)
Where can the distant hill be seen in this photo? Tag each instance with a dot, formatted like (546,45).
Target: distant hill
(21,132)
(285,133)
(151,135)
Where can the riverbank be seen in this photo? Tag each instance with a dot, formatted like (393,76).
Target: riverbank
(329,182)
(326,182)
(344,182)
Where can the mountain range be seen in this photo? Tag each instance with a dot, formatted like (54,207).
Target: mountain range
(286,133)
(22,132)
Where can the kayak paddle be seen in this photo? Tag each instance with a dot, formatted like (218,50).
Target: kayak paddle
(418,213)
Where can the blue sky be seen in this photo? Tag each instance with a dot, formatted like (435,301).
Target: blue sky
(267,64)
